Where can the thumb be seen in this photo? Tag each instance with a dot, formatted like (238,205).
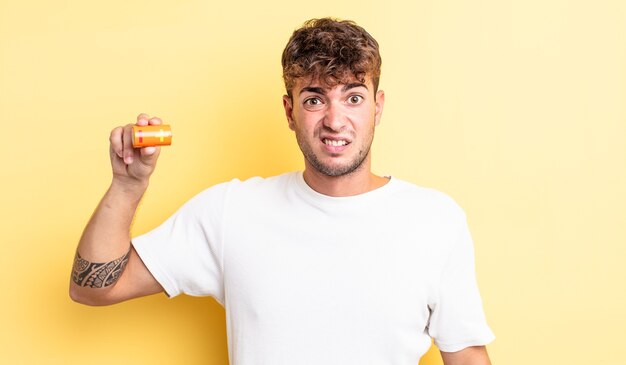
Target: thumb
(149,155)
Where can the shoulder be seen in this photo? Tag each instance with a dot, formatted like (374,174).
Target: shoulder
(427,200)
(245,189)
(258,182)
(262,186)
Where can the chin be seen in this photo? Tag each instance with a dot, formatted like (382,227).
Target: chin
(337,170)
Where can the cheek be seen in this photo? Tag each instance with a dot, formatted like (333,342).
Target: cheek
(308,121)
(365,117)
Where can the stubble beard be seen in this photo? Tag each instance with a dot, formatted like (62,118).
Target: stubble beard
(335,170)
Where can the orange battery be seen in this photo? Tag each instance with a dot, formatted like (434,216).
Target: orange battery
(152,135)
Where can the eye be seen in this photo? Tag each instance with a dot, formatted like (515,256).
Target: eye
(355,99)
(313,103)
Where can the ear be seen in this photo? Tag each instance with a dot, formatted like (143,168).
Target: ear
(380,102)
(288,105)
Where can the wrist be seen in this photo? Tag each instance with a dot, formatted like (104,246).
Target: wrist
(129,186)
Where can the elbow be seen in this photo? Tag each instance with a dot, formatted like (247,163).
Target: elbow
(73,295)
(79,295)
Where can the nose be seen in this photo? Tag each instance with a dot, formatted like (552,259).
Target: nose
(334,117)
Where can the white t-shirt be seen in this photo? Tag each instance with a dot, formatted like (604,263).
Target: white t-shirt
(307,278)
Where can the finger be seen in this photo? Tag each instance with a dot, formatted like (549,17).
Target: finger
(142,119)
(128,144)
(116,141)
(155,121)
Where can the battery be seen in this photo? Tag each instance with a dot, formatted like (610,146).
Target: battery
(152,135)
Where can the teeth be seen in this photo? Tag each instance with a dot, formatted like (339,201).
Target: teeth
(331,142)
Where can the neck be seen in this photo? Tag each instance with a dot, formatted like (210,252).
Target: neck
(357,182)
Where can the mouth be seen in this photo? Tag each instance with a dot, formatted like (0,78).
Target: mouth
(335,142)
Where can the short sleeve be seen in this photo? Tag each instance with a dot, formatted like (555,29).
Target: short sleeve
(457,319)
(184,253)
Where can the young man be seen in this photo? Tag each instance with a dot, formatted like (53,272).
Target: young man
(334,265)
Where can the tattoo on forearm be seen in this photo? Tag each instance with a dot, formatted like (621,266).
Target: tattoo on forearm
(98,275)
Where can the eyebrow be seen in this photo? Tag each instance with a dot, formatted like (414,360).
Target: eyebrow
(353,85)
(319,90)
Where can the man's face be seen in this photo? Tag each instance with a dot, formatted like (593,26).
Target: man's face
(334,125)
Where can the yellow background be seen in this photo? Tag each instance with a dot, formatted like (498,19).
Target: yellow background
(514,108)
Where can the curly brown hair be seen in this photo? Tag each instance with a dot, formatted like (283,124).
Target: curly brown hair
(332,51)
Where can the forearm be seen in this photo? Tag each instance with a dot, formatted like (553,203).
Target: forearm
(107,234)
(104,248)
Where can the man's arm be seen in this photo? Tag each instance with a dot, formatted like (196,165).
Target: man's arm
(474,355)
(106,268)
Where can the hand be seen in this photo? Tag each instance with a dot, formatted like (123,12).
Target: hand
(132,165)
